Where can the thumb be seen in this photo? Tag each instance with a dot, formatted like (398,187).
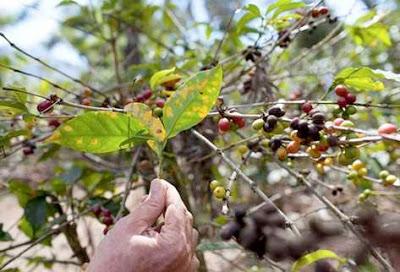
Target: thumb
(147,213)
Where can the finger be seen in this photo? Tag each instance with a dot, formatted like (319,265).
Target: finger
(147,213)
(174,225)
(195,240)
(195,264)
(173,196)
(189,225)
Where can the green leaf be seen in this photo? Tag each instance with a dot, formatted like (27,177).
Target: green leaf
(360,79)
(4,236)
(314,257)
(281,6)
(192,101)
(12,108)
(35,212)
(97,132)
(246,18)
(369,32)
(21,190)
(253,9)
(67,2)
(161,77)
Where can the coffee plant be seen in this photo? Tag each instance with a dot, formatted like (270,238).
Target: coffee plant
(277,123)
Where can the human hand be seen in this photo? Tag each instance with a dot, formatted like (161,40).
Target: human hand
(134,245)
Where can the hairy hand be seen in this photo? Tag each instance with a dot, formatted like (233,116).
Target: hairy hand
(134,245)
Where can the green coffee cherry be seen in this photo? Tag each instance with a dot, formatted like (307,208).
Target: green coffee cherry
(158,111)
(214,184)
(219,192)
(383,174)
(257,124)
(390,180)
(243,149)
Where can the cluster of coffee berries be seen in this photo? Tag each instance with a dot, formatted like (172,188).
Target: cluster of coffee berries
(364,195)
(217,189)
(269,121)
(263,232)
(319,11)
(357,171)
(387,178)
(146,96)
(28,148)
(47,106)
(387,129)
(226,124)
(345,102)
(104,215)
(252,53)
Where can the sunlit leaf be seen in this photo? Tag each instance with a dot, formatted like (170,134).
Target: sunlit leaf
(162,76)
(192,101)
(360,79)
(97,132)
(314,257)
(280,6)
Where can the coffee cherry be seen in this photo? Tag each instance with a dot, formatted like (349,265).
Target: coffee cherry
(275,143)
(224,124)
(323,11)
(232,229)
(352,175)
(265,143)
(96,210)
(277,111)
(108,221)
(357,165)
(362,172)
(338,121)
(387,129)
(147,93)
(303,131)
(239,121)
(390,180)
(350,98)
(54,123)
(160,102)
(87,92)
(383,174)
(281,153)
(341,90)
(272,120)
(46,106)
(219,192)
(106,212)
(294,137)
(306,107)
(243,149)
(320,168)
(313,152)
(86,101)
(267,127)
(351,153)
(342,102)
(347,123)
(313,132)
(318,118)
(350,110)
(293,147)
(158,112)
(294,124)
(257,124)
(314,13)
(28,150)
(214,184)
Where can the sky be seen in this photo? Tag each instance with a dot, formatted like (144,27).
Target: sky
(42,22)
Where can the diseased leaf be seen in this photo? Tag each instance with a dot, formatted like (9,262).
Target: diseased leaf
(314,257)
(12,108)
(97,132)
(360,79)
(192,101)
(163,76)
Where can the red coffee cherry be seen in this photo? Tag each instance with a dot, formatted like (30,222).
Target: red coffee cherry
(314,13)
(338,121)
(351,98)
(96,210)
(54,123)
(106,212)
(28,150)
(160,102)
(341,90)
(307,107)
(86,101)
(387,129)
(147,93)
(239,121)
(108,221)
(224,124)
(45,106)
(342,102)
(323,11)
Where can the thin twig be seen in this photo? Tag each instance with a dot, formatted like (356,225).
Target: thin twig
(249,181)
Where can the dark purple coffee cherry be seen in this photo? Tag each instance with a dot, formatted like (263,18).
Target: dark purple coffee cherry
(275,143)
(277,111)
(333,140)
(272,120)
(232,229)
(318,118)
(294,124)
